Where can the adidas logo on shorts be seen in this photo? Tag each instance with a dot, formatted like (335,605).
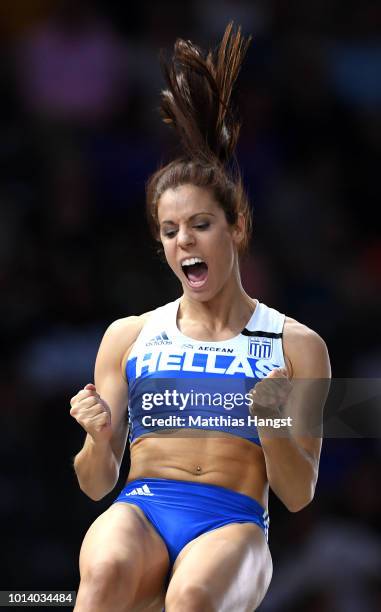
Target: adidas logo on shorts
(144,490)
(266,522)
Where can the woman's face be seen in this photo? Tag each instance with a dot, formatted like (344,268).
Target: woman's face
(199,244)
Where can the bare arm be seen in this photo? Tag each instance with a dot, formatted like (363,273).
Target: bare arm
(101,409)
(292,459)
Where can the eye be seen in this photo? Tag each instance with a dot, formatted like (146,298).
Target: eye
(202,226)
(169,233)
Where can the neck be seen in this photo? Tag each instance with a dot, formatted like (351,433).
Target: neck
(230,308)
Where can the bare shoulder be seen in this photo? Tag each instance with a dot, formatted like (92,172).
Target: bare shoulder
(120,336)
(128,328)
(297,332)
(305,351)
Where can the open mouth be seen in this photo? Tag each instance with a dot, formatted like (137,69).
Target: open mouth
(196,271)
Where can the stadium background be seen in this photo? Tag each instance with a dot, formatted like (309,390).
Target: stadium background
(80,134)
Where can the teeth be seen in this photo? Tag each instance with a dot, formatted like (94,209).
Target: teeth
(191,261)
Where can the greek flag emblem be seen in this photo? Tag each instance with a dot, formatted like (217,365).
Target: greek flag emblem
(260,348)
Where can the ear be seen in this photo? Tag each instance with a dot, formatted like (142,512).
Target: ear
(239,229)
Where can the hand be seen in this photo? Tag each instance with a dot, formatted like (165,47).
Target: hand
(270,394)
(92,413)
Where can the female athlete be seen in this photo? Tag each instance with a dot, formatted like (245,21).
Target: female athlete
(189,530)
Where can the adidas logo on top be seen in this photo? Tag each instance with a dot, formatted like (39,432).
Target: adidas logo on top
(158,340)
(144,490)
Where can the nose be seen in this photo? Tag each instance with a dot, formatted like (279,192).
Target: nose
(185,237)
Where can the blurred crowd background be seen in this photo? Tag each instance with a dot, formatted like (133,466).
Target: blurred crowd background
(80,134)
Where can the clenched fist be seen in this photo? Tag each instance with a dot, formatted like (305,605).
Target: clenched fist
(270,394)
(92,413)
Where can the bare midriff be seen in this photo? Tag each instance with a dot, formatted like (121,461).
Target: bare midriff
(219,459)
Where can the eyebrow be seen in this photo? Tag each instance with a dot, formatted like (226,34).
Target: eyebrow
(168,222)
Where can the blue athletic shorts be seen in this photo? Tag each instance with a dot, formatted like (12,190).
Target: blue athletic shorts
(180,510)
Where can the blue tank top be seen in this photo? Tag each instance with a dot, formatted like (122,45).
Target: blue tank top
(179,383)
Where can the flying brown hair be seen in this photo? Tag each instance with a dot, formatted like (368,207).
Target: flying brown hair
(197,104)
